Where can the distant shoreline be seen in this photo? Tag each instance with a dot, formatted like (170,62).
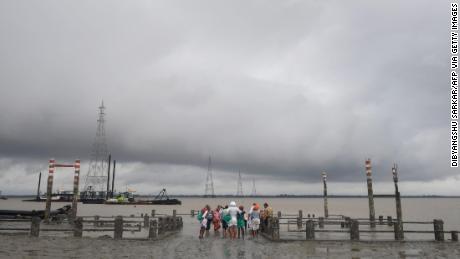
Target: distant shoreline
(279,196)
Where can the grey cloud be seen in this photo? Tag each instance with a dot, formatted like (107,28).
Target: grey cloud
(281,89)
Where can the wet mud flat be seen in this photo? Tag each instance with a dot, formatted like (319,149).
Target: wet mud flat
(186,246)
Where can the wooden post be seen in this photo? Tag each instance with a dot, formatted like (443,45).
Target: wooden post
(310,229)
(35,226)
(96,221)
(269,227)
(438,225)
(276,229)
(174,213)
(370,193)
(153,229)
(399,232)
(76,181)
(454,236)
(347,222)
(146,221)
(78,227)
(380,220)
(279,214)
(160,226)
(192,213)
(170,223)
(153,213)
(118,228)
(390,221)
(398,201)
(299,219)
(326,210)
(49,189)
(354,229)
(321,222)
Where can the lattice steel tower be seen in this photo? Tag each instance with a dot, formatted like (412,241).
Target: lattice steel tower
(96,178)
(254,192)
(209,186)
(239,185)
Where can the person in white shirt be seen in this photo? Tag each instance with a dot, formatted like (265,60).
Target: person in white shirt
(233,211)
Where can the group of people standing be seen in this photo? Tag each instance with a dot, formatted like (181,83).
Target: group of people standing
(233,219)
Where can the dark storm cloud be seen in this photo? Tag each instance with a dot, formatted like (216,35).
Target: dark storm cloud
(282,89)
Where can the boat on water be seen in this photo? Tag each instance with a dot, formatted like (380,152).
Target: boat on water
(163,199)
(127,198)
(60,196)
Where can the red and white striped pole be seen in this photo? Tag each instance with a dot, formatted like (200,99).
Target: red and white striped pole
(76,180)
(370,193)
(49,189)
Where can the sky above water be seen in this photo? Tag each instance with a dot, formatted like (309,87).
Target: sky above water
(279,90)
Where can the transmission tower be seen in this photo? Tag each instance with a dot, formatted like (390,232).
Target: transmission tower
(96,178)
(209,186)
(239,185)
(253,193)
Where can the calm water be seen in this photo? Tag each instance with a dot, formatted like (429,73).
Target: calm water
(418,209)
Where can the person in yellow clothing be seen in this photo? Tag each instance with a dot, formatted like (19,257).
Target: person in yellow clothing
(266,214)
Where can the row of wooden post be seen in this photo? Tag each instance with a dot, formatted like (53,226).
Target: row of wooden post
(353,224)
(157,227)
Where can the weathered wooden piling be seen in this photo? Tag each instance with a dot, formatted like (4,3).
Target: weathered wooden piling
(310,229)
(269,227)
(380,220)
(78,227)
(49,188)
(35,226)
(347,222)
(299,219)
(153,229)
(454,236)
(153,213)
(181,222)
(370,193)
(390,221)
(118,228)
(438,225)
(146,221)
(398,201)
(354,230)
(96,220)
(399,232)
(160,226)
(279,214)
(276,229)
(76,181)
(174,213)
(326,210)
(321,222)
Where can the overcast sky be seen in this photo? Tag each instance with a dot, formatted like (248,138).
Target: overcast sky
(281,90)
